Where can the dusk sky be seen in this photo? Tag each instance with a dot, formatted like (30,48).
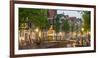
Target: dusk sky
(70,13)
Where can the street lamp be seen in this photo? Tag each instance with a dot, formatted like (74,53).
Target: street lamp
(82,29)
(81,39)
(36,30)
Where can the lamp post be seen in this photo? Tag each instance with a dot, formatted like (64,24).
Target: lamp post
(82,29)
(81,39)
(37,30)
(38,41)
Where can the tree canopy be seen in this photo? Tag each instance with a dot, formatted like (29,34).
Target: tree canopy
(36,16)
(65,23)
(86,20)
(66,26)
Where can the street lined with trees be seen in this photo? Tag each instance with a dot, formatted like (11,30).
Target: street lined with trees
(37,31)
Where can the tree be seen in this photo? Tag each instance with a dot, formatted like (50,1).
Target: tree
(38,17)
(66,26)
(86,20)
(65,23)
(57,24)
